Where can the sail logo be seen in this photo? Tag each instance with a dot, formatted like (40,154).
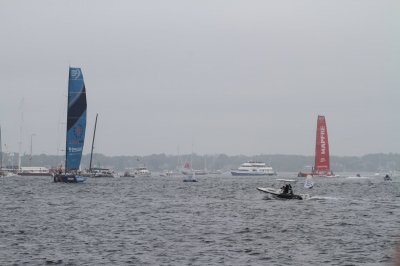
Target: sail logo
(71,149)
(78,131)
(323,138)
(75,73)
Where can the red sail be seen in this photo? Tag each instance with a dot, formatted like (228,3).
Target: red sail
(322,164)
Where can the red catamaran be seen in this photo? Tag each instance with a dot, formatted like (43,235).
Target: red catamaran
(322,164)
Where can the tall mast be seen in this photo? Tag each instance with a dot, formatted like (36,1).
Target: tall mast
(91,153)
(66,124)
(20,134)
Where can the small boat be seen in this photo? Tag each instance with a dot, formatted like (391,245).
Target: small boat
(387,178)
(76,127)
(6,172)
(187,170)
(285,192)
(322,161)
(102,172)
(142,171)
(169,173)
(216,172)
(129,173)
(253,168)
(309,182)
(190,178)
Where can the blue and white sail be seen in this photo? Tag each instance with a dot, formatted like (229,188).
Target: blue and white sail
(76,119)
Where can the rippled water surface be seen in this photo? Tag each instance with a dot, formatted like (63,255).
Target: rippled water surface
(219,220)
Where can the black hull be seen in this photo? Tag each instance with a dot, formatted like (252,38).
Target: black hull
(277,193)
(289,196)
(68,178)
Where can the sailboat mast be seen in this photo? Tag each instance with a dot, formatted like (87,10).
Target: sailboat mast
(91,153)
(66,124)
(20,134)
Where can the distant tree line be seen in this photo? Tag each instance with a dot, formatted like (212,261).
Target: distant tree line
(160,162)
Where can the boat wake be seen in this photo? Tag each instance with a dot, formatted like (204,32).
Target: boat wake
(322,198)
(358,177)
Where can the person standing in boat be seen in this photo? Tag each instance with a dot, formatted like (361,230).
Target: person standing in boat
(290,190)
(286,189)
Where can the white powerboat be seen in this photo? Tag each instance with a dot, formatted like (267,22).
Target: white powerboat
(285,192)
(142,171)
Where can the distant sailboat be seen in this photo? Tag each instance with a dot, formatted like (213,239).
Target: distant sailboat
(190,178)
(322,160)
(76,127)
(187,169)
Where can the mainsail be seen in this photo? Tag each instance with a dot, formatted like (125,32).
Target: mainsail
(76,119)
(322,164)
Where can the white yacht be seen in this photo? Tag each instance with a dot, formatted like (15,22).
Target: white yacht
(103,172)
(142,171)
(253,168)
(34,171)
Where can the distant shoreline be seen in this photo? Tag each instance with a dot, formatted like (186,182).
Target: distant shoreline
(159,162)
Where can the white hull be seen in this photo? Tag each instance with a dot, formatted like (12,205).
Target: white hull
(251,173)
(253,168)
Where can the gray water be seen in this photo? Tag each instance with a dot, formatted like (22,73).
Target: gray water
(219,220)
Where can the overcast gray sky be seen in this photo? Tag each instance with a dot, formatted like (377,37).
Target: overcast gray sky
(234,77)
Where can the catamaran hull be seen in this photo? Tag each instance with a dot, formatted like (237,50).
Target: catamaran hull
(69,178)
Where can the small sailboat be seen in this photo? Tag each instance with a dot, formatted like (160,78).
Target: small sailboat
(309,182)
(191,175)
(186,169)
(76,127)
(190,178)
(322,160)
